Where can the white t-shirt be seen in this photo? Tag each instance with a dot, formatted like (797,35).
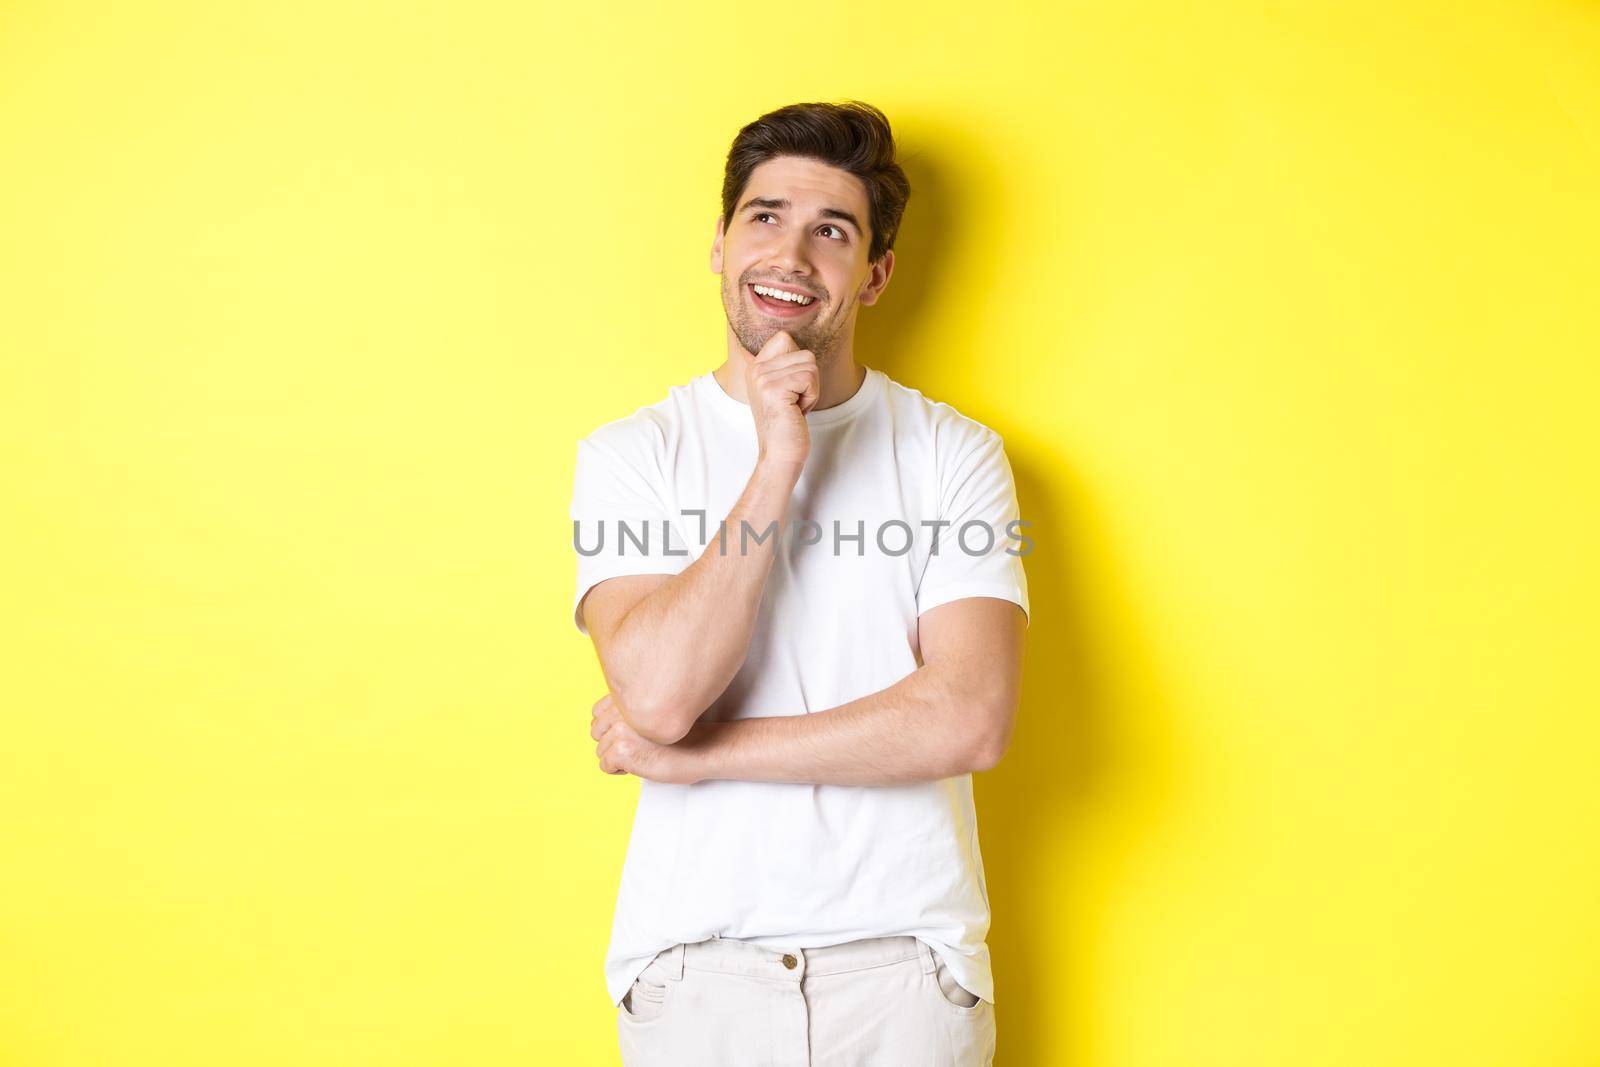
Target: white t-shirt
(789,865)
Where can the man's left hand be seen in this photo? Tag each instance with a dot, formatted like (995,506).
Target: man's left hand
(621,750)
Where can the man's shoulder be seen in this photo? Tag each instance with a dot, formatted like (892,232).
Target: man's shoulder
(648,426)
(943,422)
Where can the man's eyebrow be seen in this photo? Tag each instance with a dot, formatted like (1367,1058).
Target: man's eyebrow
(780,204)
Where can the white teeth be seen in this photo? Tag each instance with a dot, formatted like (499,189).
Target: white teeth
(779,294)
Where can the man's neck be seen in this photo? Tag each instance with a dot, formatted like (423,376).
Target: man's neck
(840,377)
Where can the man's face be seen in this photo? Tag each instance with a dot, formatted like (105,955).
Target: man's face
(800,226)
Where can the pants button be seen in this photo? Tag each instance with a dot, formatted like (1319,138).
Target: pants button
(789,961)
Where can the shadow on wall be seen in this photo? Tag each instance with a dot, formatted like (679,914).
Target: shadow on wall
(1073,761)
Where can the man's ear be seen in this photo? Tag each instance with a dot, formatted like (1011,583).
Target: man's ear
(716,249)
(874,285)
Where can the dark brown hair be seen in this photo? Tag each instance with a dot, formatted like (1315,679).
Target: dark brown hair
(853,136)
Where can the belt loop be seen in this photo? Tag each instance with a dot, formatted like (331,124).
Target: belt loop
(929,964)
(671,960)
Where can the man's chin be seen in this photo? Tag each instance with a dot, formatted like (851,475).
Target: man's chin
(755,340)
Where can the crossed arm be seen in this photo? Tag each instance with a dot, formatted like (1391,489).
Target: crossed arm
(669,645)
(953,714)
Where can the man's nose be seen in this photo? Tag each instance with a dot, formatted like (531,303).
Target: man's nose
(790,256)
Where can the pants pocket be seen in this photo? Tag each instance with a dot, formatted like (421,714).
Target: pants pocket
(954,994)
(646,999)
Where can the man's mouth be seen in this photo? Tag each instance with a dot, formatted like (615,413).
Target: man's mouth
(781,302)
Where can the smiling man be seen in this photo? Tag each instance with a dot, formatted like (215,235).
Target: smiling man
(804,584)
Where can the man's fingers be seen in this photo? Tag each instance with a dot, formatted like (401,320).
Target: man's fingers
(606,740)
(778,343)
(606,750)
(800,357)
(805,383)
(605,713)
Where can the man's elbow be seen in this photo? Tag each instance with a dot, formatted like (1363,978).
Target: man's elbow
(987,755)
(670,730)
(988,747)
(658,721)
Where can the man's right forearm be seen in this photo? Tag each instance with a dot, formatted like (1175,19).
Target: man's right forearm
(678,648)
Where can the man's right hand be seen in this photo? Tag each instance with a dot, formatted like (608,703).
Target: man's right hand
(783,383)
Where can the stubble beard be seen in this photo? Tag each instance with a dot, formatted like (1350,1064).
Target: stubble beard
(753,332)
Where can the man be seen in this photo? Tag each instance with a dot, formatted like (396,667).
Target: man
(809,604)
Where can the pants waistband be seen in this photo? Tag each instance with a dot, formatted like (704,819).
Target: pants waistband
(733,956)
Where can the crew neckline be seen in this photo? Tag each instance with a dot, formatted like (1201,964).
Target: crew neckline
(738,409)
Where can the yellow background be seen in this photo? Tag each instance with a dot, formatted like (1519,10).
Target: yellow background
(1286,314)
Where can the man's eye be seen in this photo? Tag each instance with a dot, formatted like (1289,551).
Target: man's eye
(759,215)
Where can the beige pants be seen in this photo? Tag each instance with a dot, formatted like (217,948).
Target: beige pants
(878,1002)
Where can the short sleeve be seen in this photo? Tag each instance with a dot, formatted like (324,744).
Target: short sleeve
(979,552)
(620,521)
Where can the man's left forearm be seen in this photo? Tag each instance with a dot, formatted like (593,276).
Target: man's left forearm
(927,726)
